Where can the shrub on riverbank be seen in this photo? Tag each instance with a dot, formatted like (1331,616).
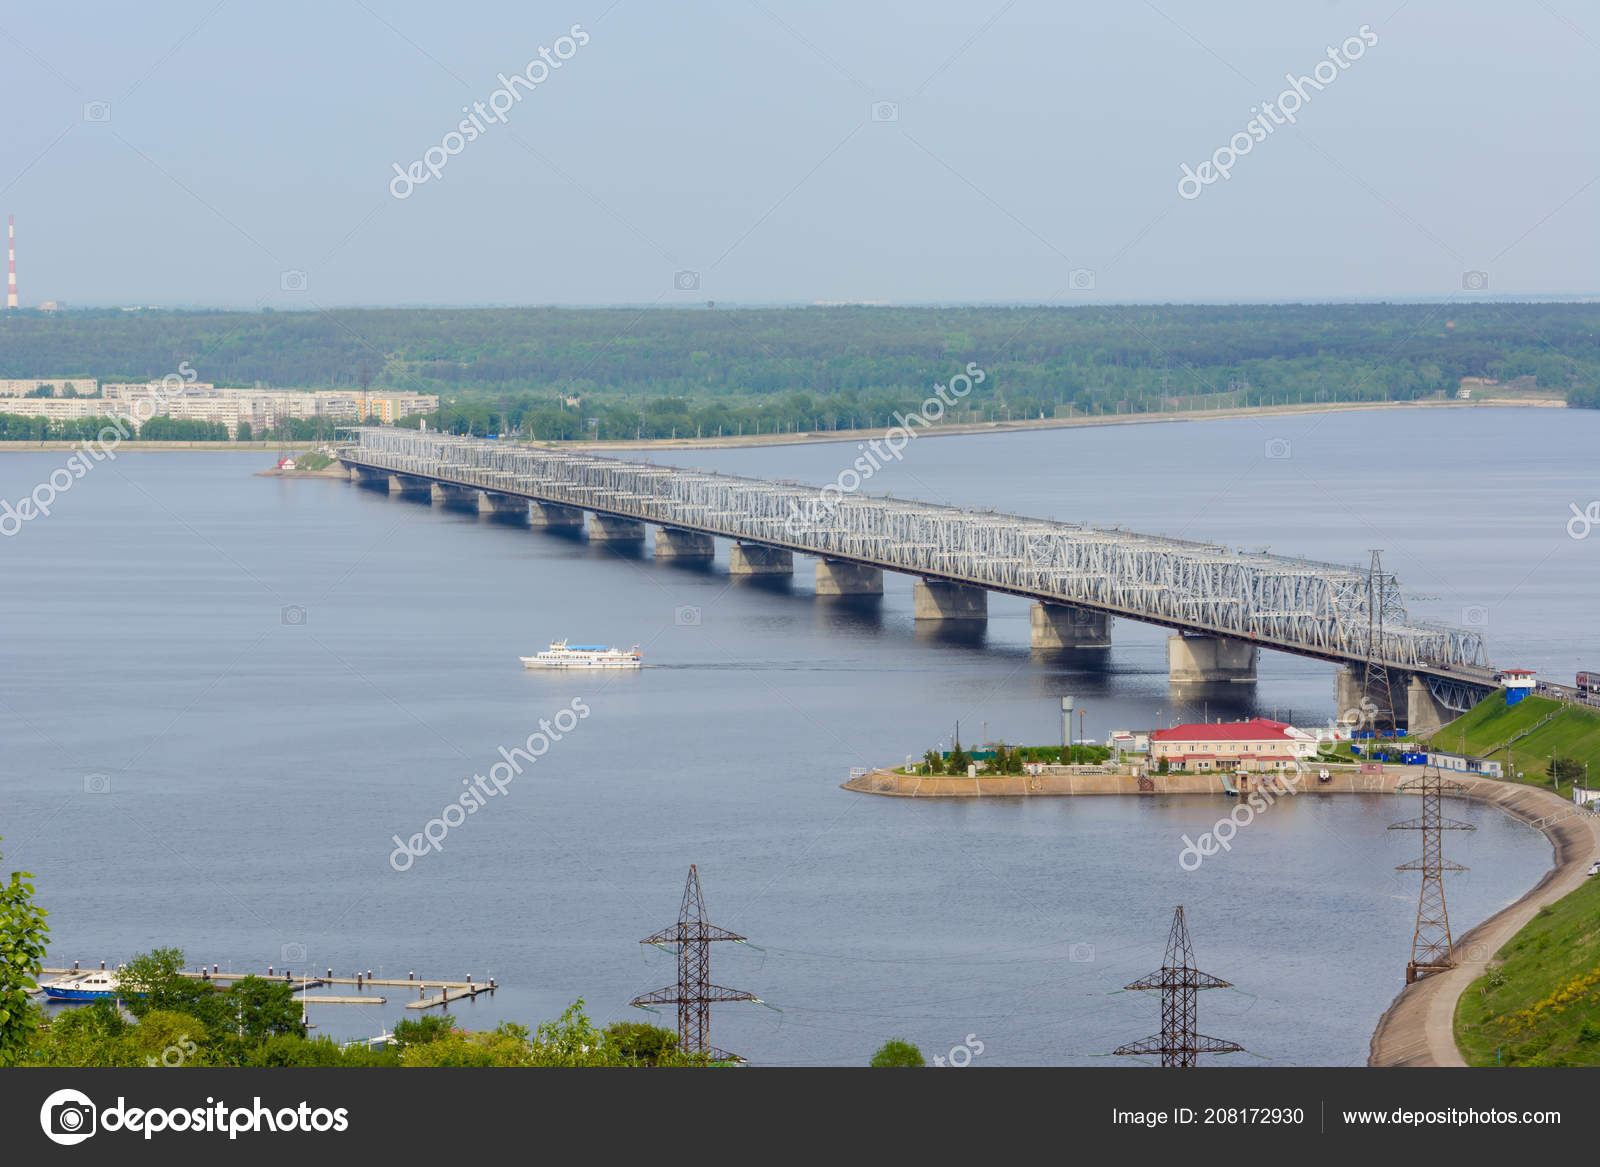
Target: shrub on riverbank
(1540,1006)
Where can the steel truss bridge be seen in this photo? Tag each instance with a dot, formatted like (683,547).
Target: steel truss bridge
(1311,609)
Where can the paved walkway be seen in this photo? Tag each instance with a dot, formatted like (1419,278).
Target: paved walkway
(1419,1028)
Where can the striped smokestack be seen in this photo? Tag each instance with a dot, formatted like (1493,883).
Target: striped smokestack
(11,257)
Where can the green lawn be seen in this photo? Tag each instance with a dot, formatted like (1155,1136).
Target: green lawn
(1541,1006)
(1574,732)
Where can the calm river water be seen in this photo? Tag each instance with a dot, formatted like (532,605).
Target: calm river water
(226,694)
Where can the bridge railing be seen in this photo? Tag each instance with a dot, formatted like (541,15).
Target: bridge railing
(1300,604)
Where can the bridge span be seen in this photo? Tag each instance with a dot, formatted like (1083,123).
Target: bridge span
(1223,606)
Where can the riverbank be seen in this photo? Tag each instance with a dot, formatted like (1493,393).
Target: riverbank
(815,437)
(1082,783)
(336,471)
(1056,423)
(1418,1029)
(135,444)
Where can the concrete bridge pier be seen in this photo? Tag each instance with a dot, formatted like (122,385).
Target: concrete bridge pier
(1424,713)
(610,529)
(681,546)
(456,497)
(933,600)
(835,578)
(1204,659)
(368,477)
(755,559)
(410,486)
(551,516)
(1061,626)
(1360,708)
(502,506)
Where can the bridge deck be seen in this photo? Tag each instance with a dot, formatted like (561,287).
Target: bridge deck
(1299,606)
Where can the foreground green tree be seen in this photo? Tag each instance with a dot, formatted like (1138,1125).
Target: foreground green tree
(640,1043)
(22,945)
(897,1054)
(1565,769)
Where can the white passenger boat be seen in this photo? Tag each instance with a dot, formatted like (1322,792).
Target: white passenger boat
(562,655)
(93,986)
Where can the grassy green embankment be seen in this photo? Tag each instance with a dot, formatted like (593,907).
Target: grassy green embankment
(1541,1006)
(1524,736)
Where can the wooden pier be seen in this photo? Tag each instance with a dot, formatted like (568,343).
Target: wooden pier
(449,991)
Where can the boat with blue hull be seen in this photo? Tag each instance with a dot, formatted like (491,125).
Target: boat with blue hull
(99,985)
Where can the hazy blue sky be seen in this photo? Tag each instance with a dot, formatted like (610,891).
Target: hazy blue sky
(1021,142)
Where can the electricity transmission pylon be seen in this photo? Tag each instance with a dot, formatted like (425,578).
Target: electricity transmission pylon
(694,993)
(1180,984)
(1383,600)
(1431,947)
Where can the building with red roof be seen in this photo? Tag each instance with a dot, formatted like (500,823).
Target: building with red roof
(1259,744)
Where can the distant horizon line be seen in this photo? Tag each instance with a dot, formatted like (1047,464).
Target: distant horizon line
(769,305)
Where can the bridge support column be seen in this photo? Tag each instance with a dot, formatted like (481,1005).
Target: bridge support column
(450,495)
(503,506)
(1060,626)
(684,546)
(1204,659)
(608,529)
(408,486)
(1424,713)
(932,600)
(553,516)
(366,476)
(756,559)
(1363,709)
(848,579)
